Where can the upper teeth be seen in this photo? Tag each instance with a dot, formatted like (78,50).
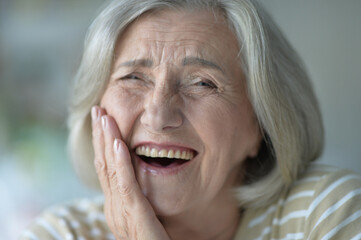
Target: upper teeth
(164,153)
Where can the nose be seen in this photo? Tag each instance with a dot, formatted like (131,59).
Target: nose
(161,110)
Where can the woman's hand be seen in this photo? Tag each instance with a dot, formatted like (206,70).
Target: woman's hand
(128,213)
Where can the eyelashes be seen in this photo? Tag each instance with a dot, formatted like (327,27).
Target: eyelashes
(131,77)
(206,83)
(186,83)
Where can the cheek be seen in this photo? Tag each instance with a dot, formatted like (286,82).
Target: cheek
(123,105)
(228,131)
(213,120)
(228,134)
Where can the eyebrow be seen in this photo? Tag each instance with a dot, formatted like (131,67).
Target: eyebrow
(202,62)
(137,62)
(186,61)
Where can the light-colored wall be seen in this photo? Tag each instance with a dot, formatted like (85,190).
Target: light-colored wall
(327,35)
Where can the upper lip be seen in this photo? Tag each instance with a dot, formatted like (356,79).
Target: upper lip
(164,145)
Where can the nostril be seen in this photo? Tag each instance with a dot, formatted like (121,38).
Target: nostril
(161,118)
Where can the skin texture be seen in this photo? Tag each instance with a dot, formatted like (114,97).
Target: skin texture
(175,80)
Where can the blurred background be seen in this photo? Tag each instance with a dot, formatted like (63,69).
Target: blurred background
(40,48)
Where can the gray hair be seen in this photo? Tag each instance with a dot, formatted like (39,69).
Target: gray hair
(278,89)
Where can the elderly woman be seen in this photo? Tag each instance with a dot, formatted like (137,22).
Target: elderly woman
(202,124)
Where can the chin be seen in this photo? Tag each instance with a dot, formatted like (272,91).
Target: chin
(166,199)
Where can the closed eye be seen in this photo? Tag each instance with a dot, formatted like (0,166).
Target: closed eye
(131,77)
(206,83)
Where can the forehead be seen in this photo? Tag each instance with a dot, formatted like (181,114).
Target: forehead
(178,33)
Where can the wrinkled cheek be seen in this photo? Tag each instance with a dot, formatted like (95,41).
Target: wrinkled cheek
(212,126)
(125,108)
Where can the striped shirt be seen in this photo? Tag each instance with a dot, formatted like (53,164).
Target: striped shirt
(325,203)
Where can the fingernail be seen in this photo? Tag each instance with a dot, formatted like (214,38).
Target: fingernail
(94,113)
(104,122)
(116,145)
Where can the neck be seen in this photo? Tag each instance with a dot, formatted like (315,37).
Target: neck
(211,222)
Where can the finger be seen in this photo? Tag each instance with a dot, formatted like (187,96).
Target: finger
(111,127)
(96,113)
(127,185)
(97,132)
(110,131)
(130,194)
(98,146)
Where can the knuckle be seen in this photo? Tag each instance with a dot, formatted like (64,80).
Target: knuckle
(112,174)
(113,184)
(99,166)
(126,213)
(125,189)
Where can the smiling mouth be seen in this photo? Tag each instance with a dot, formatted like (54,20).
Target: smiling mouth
(164,158)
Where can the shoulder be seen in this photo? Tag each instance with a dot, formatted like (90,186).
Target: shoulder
(334,211)
(324,203)
(77,219)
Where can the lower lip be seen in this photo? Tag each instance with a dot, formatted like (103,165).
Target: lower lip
(162,171)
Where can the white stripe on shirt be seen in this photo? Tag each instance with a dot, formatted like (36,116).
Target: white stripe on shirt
(336,206)
(271,209)
(299,195)
(49,228)
(30,235)
(324,194)
(291,215)
(357,237)
(293,236)
(348,220)
(265,231)
(261,218)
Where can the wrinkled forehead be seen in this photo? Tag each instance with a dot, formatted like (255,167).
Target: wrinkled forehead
(174,34)
(174,21)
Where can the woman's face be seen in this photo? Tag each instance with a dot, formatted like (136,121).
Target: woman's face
(177,85)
